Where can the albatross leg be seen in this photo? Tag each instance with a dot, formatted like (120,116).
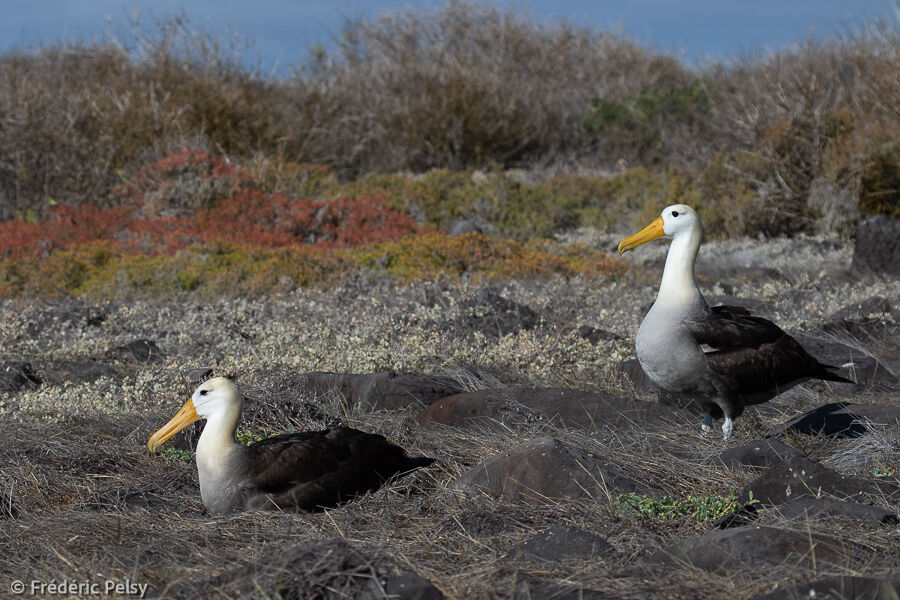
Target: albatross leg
(727,427)
(707,423)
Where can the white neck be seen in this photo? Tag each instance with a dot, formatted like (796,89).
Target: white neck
(678,286)
(217,440)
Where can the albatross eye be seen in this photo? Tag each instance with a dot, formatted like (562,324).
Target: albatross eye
(204,392)
(674,213)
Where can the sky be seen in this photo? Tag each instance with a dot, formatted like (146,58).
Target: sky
(282,30)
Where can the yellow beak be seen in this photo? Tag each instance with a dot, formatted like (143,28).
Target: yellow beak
(186,416)
(647,234)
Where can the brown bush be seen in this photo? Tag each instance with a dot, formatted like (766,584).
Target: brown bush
(74,120)
(880,183)
(818,110)
(465,86)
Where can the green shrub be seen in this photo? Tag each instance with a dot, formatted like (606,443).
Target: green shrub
(637,127)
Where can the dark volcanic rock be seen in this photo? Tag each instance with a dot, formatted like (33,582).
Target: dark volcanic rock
(867,320)
(15,376)
(328,569)
(865,370)
(759,453)
(137,351)
(740,548)
(802,477)
(464,226)
(840,587)
(78,371)
(496,316)
(562,542)
(198,375)
(385,390)
(876,306)
(743,516)
(409,586)
(877,247)
(540,591)
(77,316)
(544,469)
(841,419)
(803,508)
(62,371)
(572,408)
(595,335)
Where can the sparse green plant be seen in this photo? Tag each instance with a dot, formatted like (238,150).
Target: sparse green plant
(177,456)
(883,470)
(247,437)
(698,508)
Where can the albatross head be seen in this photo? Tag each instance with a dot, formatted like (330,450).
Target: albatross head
(673,220)
(217,397)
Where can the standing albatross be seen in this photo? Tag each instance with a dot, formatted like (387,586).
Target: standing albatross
(309,470)
(751,361)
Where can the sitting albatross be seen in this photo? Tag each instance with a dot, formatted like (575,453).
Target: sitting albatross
(309,470)
(751,360)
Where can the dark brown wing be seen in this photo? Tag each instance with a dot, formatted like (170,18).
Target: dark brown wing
(315,469)
(754,352)
(767,367)
(730,326)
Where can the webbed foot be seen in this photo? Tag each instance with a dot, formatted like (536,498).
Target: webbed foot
(707,424)
(727,428)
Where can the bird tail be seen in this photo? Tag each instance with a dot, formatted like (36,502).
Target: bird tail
(828,374)
(416,462)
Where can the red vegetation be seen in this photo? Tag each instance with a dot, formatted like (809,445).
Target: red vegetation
(155,220)
(180,183)
(198,161)
(250,218)
(66,226)
(274,220)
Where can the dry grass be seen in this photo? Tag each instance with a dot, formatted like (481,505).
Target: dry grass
(81,495)
(91,501)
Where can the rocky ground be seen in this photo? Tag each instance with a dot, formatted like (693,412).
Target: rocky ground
(555,461)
